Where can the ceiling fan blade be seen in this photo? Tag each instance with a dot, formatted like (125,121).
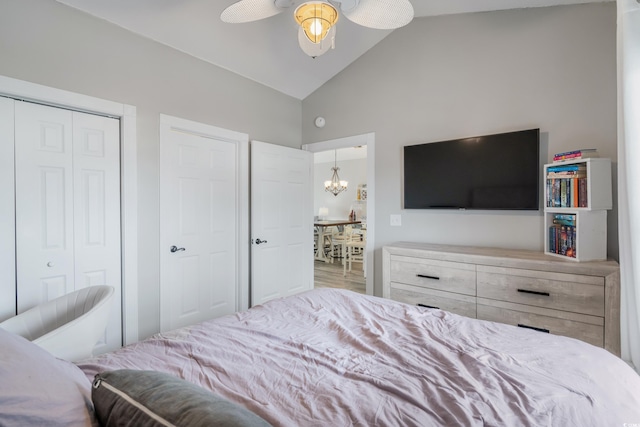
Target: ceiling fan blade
(381,14)
(249,10)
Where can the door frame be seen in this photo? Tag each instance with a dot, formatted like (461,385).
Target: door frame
(27,91)
(241,141)
(8,302)
(369,140)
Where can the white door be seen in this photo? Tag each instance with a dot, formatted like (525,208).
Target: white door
(44,203)
(67,207)
(7,212)
(281,221)
(200,210)
(96,213)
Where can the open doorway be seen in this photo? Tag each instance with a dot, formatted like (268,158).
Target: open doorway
(354,156)
(341,218)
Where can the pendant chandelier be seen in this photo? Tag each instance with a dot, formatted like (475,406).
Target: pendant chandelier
(335,186)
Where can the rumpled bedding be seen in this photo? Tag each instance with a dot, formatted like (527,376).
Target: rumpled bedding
(332,357)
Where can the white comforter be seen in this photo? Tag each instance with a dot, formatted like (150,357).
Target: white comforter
(336,358)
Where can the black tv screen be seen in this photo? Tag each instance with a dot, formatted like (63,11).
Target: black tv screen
(485,172)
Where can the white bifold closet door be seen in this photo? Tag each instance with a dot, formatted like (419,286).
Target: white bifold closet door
(67,195)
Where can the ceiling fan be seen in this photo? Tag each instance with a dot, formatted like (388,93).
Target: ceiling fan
(317,18)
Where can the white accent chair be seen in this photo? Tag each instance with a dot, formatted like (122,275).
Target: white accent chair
(68,326)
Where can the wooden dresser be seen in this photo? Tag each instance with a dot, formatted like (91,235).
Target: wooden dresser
(523,288)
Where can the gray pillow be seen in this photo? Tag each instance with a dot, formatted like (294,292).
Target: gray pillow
(147,398)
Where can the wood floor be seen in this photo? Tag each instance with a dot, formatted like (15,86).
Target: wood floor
(327,275)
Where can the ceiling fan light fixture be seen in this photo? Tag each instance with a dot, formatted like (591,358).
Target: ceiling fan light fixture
(316,19)
(316,49)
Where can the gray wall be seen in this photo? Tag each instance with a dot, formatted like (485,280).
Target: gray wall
(456,76)
(44,42)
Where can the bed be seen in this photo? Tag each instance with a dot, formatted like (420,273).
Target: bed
(334,357)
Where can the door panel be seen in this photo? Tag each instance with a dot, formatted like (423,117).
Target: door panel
(281,214)
(96,213)
(54,197)
(199,215)
(52,287)
(44,203)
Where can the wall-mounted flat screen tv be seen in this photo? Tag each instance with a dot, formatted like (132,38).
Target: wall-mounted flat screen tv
(498,171)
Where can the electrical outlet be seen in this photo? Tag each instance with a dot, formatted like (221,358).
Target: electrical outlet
(395,220)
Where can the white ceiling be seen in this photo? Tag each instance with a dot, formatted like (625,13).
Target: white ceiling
(266,51)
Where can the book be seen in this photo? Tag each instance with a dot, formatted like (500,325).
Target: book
(568,217)
(563,240)
(567,174)
(564,222)
(570,192)
(582,153)
(575,157)
(553,239)
(577,151)
(556,193)
(571,245)
(577,167)
(582,192)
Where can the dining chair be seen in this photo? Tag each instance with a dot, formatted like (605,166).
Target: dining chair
(338,241)
(354,251)
(327,244)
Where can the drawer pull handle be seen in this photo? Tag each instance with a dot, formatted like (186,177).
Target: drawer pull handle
(520,325)
(527,291)
(428,306)
(428,277)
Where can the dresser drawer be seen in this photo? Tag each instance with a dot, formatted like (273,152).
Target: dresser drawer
(559,291)
(455,303)
(586,328)
(433,274)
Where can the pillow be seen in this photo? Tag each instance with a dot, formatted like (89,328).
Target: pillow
(36,389)
(147,398)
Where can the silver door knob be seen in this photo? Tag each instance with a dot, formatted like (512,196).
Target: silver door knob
(51,264)
(176,249)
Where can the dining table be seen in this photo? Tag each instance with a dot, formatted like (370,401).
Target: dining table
(323,227)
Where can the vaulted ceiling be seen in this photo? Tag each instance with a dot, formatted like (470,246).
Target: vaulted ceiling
(266,51)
